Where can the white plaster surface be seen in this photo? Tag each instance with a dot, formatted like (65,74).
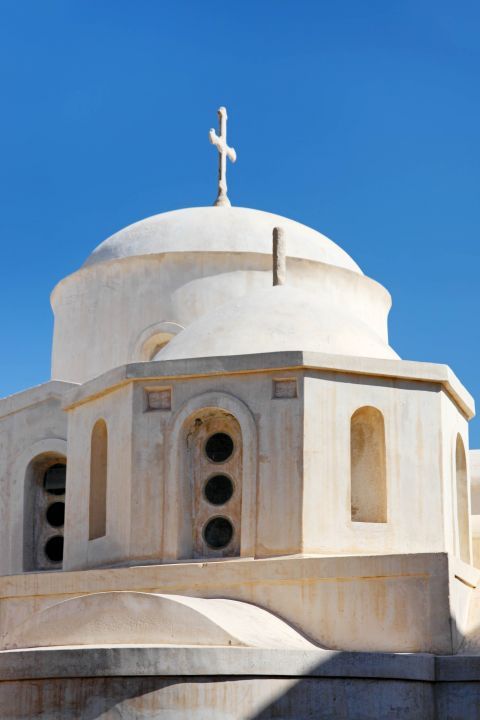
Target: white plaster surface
(378,603)
(172,683)
(214,229)
(303,571)
(107,307)
(474,457)
(296,491)
(173,269)
(277,319)
(32,424)
(113,618)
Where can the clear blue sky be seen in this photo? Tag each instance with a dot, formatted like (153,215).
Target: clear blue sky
(360,118)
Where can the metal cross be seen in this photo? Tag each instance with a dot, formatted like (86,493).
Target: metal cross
(220,142)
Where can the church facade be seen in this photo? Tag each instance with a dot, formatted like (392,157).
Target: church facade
(233,499)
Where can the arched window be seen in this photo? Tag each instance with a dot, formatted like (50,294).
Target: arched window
(155,344)
(462,500)
(98,481)
(44,513)
(153,339)
(368,466)
(215,453)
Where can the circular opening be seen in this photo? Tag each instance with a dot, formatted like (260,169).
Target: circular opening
(56,514)
(219,447)
(218,532)
(54,549)
(55,478)
(218,490)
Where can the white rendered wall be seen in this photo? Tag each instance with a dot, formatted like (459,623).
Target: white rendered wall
(32,423)
(420,422)
(454,423)
(145,445)
(102,311)
(474,458)
(296,491)
(115,409)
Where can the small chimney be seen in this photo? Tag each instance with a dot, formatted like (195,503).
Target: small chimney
(279,257)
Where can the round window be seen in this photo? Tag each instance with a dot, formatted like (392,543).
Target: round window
(218,489)
(54,549)
(54,479)
(219,447)
(56,514)
(218,532)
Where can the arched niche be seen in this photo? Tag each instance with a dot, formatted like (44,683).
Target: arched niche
(97,513)
(152,339)
(368,466)
(214,464)
(178,536)
(461,487)
(43,467)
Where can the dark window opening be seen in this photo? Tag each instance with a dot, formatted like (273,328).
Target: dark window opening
(218,532)
(219,447)
(54,480)
(218,490)
(56,514)
(54,549)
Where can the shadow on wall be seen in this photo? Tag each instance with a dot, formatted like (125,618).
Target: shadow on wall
(352,699)
(225,698)
(386,686)
(344,686)
(322,695)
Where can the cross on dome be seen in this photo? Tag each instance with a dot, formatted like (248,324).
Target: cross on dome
(224,151)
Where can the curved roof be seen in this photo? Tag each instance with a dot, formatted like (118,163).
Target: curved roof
(126,617)
(279,318)
(218,229)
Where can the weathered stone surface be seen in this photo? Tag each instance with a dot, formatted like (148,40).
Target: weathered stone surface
(112,618)
(172,268)
(186,683)
(336,602)
(204,698)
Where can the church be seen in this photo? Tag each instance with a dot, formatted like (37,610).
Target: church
(233,499)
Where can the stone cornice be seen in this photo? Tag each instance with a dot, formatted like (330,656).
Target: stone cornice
(163,370)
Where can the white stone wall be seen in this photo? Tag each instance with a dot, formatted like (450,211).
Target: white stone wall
(296,468)
(116,409)
(420,423)
(103,312)
(32,424)
(295,484)
(147,475)
(474,458)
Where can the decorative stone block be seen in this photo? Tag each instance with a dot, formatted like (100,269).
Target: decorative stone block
(159,398)
(285,388)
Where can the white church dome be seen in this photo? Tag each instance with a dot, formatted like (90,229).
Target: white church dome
(194,282)
(198,278)
(277,319)
(218,229)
